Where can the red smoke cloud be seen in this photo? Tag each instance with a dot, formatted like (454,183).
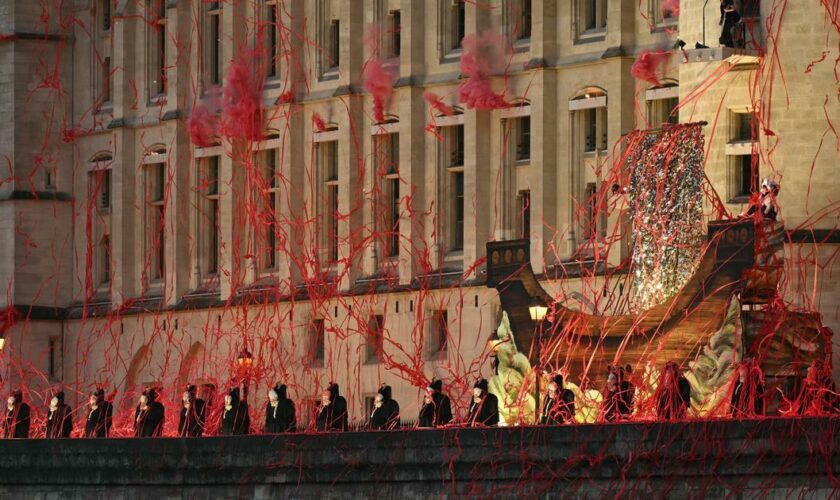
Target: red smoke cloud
(649,66)
(242,99)
(379,81)
(436,103)
(484,56)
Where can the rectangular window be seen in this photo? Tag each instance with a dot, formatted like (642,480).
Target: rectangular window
(334,45)
(156,223)
(49,178)
(212,45)
(271,40)
(663,111)
(317,344)
(458,211)
(157,50)
(106,15)
(105,189)
(267,235)
(209,216)
(438,335)
(524,20)
(590,201)
(524,215)
(393,247)
(744,127)
(455,141)
(52,365)
(387,204)
(742,180)
(595,129)
(395,31)
(591,16)
(328,165)
(591,129)
(106,80)
(459,23)
(375,339)
(523,138)
(106,259)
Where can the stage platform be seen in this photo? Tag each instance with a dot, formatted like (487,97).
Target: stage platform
(768,458)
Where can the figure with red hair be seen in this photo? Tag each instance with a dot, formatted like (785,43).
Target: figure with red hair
(674,394)
(748,391)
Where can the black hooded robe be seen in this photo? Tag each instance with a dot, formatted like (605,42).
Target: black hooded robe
(98,423)
(280,418)
(332,417)
(60,421)
(387,416)
(16,424)
(486,411)
(149,422)
(236,421)
(557,411)
(439,411)
(191,420)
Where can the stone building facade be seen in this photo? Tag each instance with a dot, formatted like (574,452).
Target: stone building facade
(347,251)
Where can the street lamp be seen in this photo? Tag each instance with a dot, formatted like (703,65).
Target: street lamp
(244,359)
(537,310)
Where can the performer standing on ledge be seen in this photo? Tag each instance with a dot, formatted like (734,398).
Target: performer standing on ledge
(193,414)
(437,409)
(766,206)
(729,18)
(386,411)
(149,415)
(559,405)
(818,395)
(748,392)
(235,419)
(674,394)
(279,411)
(332,414)
(484,408)
(16,423)
(618,404)
(59,419)
(100,413)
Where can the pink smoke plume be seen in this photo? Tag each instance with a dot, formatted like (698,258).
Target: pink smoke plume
(318,122)
(672,6)
(483,57)
(649,66)
(379,81)
(203,126)
(242,99)
(437,104)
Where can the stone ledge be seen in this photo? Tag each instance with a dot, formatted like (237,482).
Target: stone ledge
(759,455)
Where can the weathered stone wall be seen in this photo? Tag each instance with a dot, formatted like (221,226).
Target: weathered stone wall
(767,458)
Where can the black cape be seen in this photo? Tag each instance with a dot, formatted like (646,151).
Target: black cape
(59,422)
(191,421)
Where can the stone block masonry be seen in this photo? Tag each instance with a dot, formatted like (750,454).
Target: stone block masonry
(775,458)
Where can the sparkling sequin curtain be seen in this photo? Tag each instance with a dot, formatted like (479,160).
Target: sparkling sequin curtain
(666,199)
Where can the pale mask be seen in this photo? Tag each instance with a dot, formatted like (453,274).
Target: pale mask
(10,402)
(325,399)
(611,381)
(477,392)
(273,396)
(228,401)
(144,400)
(54,404)
(552,388)
(378,402)
(92,401)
